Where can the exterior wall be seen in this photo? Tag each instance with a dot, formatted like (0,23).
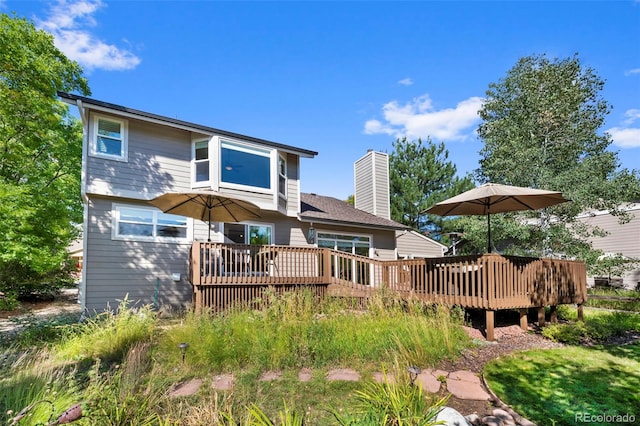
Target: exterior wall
(116,268)
(412,244)
(623,239)
(372,184)
(159,160)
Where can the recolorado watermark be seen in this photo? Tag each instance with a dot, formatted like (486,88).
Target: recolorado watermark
(604,418)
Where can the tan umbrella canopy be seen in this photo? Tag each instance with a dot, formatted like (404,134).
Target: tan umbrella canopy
(206,206)
(495,198)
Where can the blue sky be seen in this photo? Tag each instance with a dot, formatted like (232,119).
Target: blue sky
(340,77)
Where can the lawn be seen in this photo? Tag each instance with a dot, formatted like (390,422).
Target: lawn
(565,386)
(584,380)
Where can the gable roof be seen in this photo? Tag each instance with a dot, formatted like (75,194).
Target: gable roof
(173,122)
(323,209)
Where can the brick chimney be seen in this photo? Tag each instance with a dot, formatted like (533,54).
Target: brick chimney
(371,181)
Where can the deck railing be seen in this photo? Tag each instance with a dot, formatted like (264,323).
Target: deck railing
(488,281)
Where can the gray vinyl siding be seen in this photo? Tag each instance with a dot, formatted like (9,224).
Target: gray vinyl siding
(115,269)
(158,161)
(621,238)
(293,185)
(372,184)
(413,245)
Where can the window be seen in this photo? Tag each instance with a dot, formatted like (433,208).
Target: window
(282,176)
(148,224)
(245,165)
(201,163)
(354,244)
(110,138)
(241,233)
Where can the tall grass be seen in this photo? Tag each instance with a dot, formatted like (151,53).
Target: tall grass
(38,389)
(296,330)
(108,336)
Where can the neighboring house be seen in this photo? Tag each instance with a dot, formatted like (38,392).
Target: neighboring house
(131,249)
(623,239)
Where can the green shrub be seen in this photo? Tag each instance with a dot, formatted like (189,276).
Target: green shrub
(572,333)
(8,302)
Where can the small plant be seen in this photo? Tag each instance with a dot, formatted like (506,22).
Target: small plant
(8,302)
(390,403)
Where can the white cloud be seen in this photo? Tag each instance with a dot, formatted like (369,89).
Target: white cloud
(419,119)
(626,136)
(633,71)
(631,116)
(406,81)
(69,21)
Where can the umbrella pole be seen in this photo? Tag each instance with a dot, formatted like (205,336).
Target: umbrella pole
(209,226)
(488,230)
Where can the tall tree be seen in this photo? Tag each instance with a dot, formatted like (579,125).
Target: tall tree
(541,128)
(40,155)
(420,176)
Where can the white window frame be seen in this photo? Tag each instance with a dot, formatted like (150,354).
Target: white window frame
(115,216)
(282,160)
(247,225)
(204,183)
(349,234)
(124,137)
(250,149)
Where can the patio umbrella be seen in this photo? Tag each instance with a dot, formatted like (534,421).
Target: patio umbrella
(495,198)
(206,206)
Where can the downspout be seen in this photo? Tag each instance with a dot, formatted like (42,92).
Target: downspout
(82,290)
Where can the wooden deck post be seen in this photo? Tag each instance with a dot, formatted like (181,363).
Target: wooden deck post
(580,312)
(553,315)
(489,324)
(523,319)
(198,294)
(541,318)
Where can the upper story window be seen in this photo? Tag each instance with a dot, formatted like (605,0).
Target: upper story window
(109,138)
(245,165)
(201,163)
(282,176)
(148,224)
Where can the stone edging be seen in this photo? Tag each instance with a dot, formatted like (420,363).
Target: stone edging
(500,404)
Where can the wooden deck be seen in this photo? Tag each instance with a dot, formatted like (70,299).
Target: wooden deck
(223,274)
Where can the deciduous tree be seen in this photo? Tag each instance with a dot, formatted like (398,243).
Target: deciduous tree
(40,155)
(542,128)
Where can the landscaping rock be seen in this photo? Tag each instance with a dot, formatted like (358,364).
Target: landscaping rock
(345,374)
(466,385)
(451,417)
(270,376)
(379,377)
(429,382)
(504,416)
(223,382)
(474,419)
(491,421)
(305,375)
(186,389)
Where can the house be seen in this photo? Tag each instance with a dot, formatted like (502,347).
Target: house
(131,249)
(621,239)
